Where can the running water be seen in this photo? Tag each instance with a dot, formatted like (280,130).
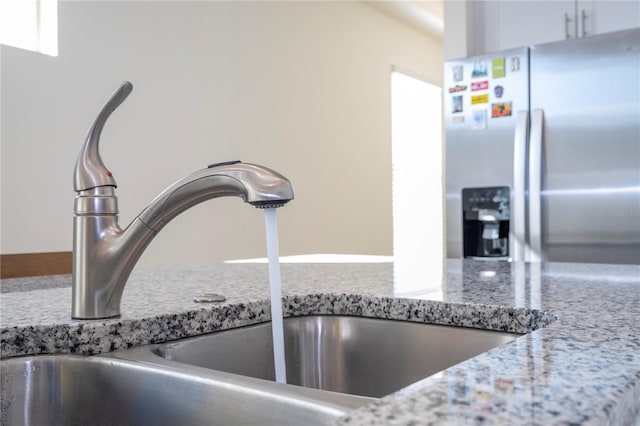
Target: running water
(271,225)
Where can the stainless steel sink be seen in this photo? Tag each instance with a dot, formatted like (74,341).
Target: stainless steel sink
(339,363)
(352,355)
(101,390)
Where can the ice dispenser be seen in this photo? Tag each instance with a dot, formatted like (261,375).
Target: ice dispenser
(486,214)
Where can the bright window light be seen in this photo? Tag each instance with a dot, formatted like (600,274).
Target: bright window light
(416,134)
(30,24)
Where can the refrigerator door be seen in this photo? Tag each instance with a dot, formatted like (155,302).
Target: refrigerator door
(587,92)
(483,100)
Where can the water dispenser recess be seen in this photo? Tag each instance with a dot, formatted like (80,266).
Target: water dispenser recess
(486,214)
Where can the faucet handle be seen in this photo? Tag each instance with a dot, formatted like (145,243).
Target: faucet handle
(90,171)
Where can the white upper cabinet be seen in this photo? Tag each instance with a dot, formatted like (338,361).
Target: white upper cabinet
(599,16)
(507,24)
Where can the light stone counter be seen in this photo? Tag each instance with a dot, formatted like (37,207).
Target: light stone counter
(580,366)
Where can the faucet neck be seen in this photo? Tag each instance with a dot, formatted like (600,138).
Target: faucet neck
(103,257)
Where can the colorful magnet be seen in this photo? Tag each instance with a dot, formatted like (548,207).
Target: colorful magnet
(479,69)
(458,72)
(480,85)
(480,99)
(498,91)
(501,109)
(456,103)
(479,120)
(497,68)
(457,88)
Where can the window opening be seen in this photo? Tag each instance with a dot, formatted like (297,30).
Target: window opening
(30,24)
(418,228)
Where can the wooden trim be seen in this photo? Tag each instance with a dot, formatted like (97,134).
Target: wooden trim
(34,264)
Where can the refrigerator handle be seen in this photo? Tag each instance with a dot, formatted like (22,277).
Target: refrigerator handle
(518,213)
(534,251)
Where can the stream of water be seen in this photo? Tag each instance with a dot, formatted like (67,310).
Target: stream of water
(271,225)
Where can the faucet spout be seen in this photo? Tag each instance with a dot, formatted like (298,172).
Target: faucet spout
(256,185)
(105,254)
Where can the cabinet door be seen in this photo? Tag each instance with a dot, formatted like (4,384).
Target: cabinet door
(508,24)
(605,16)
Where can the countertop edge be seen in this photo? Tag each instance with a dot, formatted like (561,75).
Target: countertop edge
(102,336)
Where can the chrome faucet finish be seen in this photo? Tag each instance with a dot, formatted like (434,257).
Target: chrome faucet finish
(104,254)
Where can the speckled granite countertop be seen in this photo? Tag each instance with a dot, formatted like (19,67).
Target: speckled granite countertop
(583,368)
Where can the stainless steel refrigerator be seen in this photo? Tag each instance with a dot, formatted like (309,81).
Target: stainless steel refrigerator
(543,152)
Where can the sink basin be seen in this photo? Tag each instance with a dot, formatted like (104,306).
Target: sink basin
(352,355)
(102,390)
(338,363)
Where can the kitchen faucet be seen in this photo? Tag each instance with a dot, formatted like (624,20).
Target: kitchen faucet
(104,254)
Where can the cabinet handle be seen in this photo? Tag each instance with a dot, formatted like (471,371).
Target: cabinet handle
(584,22)
(567,20)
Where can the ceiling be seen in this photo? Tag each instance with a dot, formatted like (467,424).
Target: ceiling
(426,16)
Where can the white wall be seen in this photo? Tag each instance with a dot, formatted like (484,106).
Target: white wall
(301,87)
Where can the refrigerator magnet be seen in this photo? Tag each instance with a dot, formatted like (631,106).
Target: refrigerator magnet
(501,109)
(479,85)
(479,120)
(480,99)
(479,69)
(457,88)
(515,64)
(456,103)
(457,119)
(458,73)
(497,68)
(498,91)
